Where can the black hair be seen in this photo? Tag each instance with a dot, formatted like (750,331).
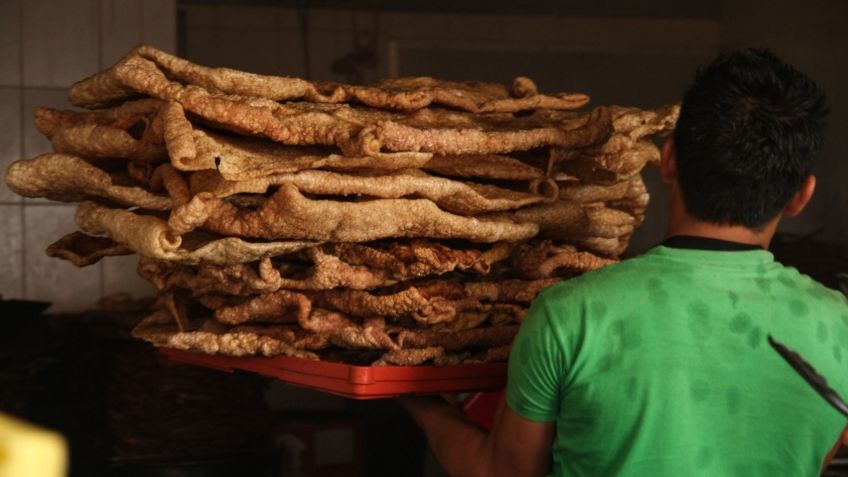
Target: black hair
(750,127)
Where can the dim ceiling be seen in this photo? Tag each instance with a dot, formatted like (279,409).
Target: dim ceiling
(707,9)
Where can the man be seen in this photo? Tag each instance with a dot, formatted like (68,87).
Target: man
(659,365)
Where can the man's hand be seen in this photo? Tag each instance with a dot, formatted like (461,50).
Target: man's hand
(515,447)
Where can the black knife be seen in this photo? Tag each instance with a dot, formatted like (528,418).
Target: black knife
(810,374)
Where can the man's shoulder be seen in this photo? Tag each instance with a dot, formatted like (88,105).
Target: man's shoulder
(813,290)
(609,280)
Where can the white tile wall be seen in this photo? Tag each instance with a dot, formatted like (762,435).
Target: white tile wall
(45,46)
(201,46)
(199,16)
(159,24)
(11,251)
(253,50)
(10,43)
(290,59)
(120,26)
(119,276)
(49,279)
(36,143)
(246,17)
(10,136)
(286,19)
(60,41)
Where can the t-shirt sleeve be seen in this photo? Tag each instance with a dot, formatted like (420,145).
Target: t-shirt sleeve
(536,367)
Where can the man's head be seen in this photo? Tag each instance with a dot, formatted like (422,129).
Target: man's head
(750,127)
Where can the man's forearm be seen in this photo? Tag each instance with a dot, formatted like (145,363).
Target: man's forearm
(459,445)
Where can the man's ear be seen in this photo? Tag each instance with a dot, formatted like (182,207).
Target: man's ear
(668,161)
(801,197)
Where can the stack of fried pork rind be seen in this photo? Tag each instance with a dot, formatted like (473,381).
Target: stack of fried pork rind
(408,222)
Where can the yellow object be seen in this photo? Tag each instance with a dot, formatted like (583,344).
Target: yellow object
(29,451)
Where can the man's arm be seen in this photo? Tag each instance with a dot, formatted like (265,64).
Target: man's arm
(843,440)
(515,447)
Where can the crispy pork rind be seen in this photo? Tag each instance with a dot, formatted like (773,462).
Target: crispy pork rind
(433,302)
(626,152)
(278,216)
(357,131)
(132,131)
(288,214)
(578,192)
(428,303)
(150,236)
(69,179)
(444,132)
(639,123)
(333,266)
(400,93)
(563,220)
(282,306)
(458,340)
(160,330)
(619,159)
(443,356)
(410,357)
(485,166)
(241,158)
(83,250)
(543,259)
(452,196)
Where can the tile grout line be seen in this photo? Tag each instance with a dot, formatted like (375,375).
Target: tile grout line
(141,38)
(102,269)
(100,34)
(21,119)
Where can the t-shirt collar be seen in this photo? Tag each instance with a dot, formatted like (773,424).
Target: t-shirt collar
(692,242)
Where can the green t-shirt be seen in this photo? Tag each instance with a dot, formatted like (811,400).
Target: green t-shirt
(659,366)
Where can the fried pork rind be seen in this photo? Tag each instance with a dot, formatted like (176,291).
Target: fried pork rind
(83,250)
(357,131)
(634,203)
(565,220)
(345,332)
(123,116)
(415,259)
(410,357)
(278,216)
(242,158)
(626,153)
(434,302)
(448,133)
(160,330)
(517,291)
(400,93)
(490,166)
(638,123)
(107,134)
(542,259)
(150,236)
(351,266)
(281,306)
(487,337)
(452,196)
(409,303)
(633,188)
(429,303)
(244,279)
(619,159)
(68,179)
(288,214)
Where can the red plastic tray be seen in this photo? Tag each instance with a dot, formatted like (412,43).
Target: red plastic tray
(358,382)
